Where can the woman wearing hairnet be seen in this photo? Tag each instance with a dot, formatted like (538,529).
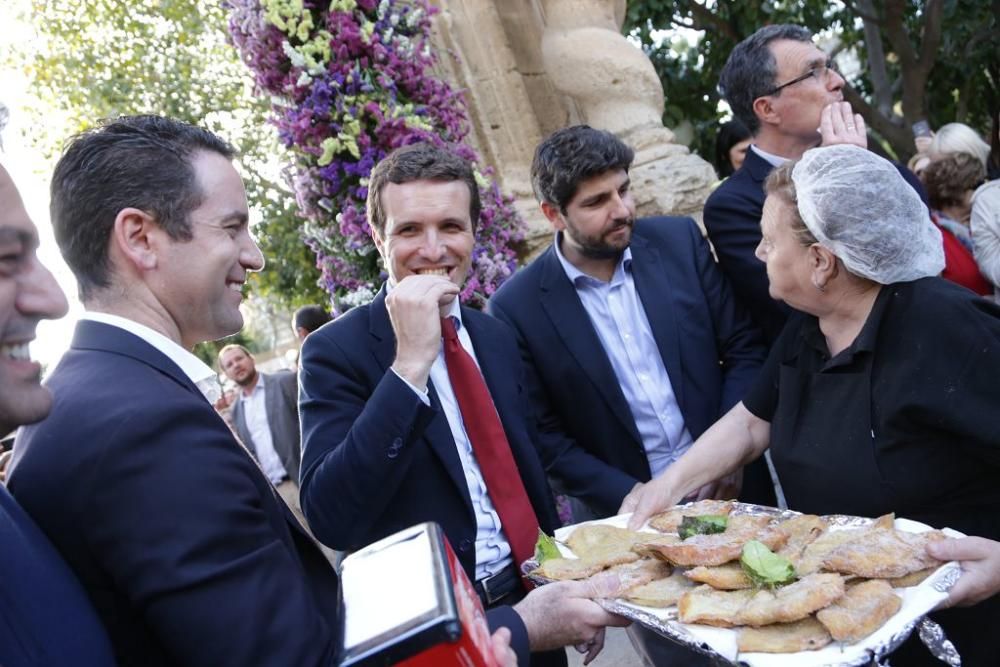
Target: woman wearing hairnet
(881,396)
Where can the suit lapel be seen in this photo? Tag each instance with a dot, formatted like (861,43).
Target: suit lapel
(438,432)
(572,323)
(656,295)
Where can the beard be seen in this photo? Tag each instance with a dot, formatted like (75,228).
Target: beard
(597,247)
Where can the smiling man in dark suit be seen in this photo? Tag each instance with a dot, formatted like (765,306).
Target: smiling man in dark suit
(178,538)
(412,409)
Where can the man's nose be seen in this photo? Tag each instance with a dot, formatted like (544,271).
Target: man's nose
(622,205)
(39,294)
(432,246)
(250,256)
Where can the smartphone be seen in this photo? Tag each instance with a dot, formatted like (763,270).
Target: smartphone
(922,129)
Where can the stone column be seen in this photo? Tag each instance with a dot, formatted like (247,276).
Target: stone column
(617,89)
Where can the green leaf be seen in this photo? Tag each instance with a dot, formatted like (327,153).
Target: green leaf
(764,567)
(546,548)
(708,524)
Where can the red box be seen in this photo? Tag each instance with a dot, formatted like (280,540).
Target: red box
(406,600)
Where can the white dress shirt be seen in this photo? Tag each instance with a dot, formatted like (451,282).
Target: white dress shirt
(201,375)
(622,327)
(492,548)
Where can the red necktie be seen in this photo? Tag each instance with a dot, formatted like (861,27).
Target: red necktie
(489,443)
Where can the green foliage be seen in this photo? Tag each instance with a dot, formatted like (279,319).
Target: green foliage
(103,58)
(963,82)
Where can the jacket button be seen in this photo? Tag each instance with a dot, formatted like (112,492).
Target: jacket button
(464,545)
(393,452)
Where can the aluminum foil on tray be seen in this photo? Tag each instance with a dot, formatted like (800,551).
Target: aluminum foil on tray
(720,643)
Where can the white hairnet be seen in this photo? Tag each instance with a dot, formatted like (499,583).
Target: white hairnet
(858,205)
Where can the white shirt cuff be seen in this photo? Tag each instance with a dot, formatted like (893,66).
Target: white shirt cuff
(422,393)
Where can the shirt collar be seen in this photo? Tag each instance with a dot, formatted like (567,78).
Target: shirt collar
(576,276)
(866,339)
(775,160)
(193,367)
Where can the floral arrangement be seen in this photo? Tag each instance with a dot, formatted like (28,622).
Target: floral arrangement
(351,80)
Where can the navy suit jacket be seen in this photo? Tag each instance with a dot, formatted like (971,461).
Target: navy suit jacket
(180,541)
(709,347)
(46,619)
(732,220)
(376,459)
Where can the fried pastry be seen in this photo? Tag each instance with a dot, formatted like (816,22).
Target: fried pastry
(722,547)
(639,573)
(708,606)
(815,552)
(913,579)
(792,602)
(883,554)
(561,569)
(662,592)
(805,635)
(649,548)
(728,577)
(802,530)
(861,611)
(669,521)
(603,544)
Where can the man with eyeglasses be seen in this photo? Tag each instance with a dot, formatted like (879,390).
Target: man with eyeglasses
(789,94)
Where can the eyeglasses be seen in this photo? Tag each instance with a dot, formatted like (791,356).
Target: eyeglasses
(817,72)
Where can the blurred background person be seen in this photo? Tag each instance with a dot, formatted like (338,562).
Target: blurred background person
(307,319)
(984,220)
(959,138)
(950,181)
(880,394)
(731,145)
(265,416)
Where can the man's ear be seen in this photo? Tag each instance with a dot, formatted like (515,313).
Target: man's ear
(136,237)
(553,215)
(765,111)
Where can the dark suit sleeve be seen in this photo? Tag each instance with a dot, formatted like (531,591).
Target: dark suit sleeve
(506,617)
(738,341)
(358,440)
(582,475)
(183,529)
(732,220)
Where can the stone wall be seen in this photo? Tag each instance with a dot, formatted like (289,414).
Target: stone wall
(529,67)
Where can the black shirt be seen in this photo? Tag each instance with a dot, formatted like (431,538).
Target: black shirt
(905,420)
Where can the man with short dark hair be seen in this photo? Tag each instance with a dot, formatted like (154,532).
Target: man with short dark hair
(177,536)
(46,619)
(790,96)
(411,409)
(265,416)
(632,340)
(307,319)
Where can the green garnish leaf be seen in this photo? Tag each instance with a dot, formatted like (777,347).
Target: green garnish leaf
(546,548)
(708,524)
(764,567)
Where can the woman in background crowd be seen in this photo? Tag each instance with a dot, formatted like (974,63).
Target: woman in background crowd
(950,181)
(731,146)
